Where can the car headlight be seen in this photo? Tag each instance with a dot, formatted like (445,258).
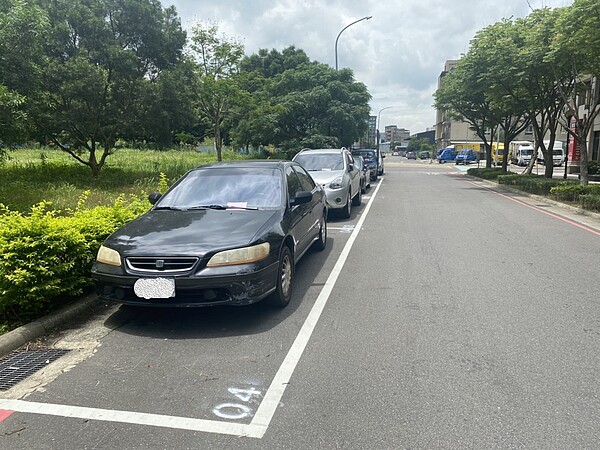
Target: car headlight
(240,255)
(108,256)
(336,184)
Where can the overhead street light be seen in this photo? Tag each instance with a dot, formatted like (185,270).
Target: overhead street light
(378,120)
(338,36)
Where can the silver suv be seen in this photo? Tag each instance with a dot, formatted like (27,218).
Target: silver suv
(334,169)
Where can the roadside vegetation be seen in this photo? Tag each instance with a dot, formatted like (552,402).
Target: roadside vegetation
(540,71)
(54,216)
(568,191)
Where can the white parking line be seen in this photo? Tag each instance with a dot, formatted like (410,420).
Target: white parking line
(266,410)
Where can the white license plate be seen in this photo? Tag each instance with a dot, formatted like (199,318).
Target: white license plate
(154,288)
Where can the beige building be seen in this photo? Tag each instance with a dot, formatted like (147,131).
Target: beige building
(397,135)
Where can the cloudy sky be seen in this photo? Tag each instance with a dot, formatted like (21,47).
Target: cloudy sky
(398,53)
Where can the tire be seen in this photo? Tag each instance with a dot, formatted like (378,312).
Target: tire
(285,275)
(363,188)
(348,208)
(321,243)
(357,199)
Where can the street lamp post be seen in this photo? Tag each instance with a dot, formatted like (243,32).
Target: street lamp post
(338,36)
(378,124)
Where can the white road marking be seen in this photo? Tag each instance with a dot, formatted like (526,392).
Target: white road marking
(266,410)
(272,397)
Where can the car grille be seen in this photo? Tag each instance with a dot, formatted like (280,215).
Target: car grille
(161,265)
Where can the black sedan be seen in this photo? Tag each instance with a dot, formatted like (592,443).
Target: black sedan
(227,233)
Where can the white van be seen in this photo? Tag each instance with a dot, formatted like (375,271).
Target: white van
(558,153)
(520,152)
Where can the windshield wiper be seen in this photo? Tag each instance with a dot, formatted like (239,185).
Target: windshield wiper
(169,208)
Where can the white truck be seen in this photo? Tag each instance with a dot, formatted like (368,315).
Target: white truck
(558,153)
(520,152)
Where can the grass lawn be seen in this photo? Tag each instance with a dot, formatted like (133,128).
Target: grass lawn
(33,175)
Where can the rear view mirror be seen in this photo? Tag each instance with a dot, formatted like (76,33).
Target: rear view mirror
(301,198)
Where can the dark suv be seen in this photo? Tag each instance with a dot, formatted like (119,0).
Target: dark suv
(371,161)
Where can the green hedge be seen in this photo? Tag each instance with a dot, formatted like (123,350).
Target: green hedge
(46,256)
(534,184)
(485,173)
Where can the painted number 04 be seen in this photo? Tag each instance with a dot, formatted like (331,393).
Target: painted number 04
(236,411)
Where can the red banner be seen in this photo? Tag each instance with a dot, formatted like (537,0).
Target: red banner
(574,154)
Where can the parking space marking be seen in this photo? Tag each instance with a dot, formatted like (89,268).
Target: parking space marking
(267,408)
(109,415)
(273,396)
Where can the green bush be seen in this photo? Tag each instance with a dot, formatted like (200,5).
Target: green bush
(590,201)
(534,184)
(567,192)
(46,256)
(485,173)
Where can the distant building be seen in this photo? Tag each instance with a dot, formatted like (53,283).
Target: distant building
(399,136)
(429,135)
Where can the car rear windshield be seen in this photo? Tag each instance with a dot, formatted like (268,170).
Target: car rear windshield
(368,155)
(320,161)
(226,187)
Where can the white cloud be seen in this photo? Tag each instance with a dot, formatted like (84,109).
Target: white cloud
(398,54)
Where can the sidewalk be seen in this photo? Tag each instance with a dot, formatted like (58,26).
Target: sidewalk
(41,327)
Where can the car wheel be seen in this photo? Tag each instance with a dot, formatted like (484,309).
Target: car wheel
(348,208)
(285,274)
(322,242)
(357,199)
(363,187)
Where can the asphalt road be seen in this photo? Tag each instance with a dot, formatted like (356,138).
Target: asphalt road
(445,313)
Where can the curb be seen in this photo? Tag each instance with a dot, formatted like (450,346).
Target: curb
(40,327)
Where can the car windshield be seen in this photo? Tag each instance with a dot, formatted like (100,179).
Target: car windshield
(527,151)
(368,156)
(226,188)
(320,161)
(557,152)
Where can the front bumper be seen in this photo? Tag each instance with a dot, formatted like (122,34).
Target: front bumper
(220,288)
(336,198)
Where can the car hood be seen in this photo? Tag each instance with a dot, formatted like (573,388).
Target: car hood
(325,176)
(192,232)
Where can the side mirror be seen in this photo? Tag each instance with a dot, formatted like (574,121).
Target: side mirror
(301,198)
(154,197)
(350,167)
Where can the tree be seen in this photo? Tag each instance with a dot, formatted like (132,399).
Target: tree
(576,47)
(462,95)
(100,57)
(304,104)
(22,35)
(217,88)
(495,54)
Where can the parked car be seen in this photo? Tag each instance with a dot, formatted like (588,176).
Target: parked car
(227,233)
(365,173)
(411,155)
(334,169)
(371,160)
(446,154)
(465,156)
(424,155)
(380,158)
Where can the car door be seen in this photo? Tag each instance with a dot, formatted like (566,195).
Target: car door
(317,205)
(353,173)
(300,216)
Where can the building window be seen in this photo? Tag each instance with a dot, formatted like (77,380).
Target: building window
(596,147)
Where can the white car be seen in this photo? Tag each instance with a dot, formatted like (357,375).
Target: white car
(334,169)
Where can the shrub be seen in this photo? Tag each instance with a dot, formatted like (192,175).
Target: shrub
(534,184)
(567,192)
(46,256)
(590,201)
(485,173)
